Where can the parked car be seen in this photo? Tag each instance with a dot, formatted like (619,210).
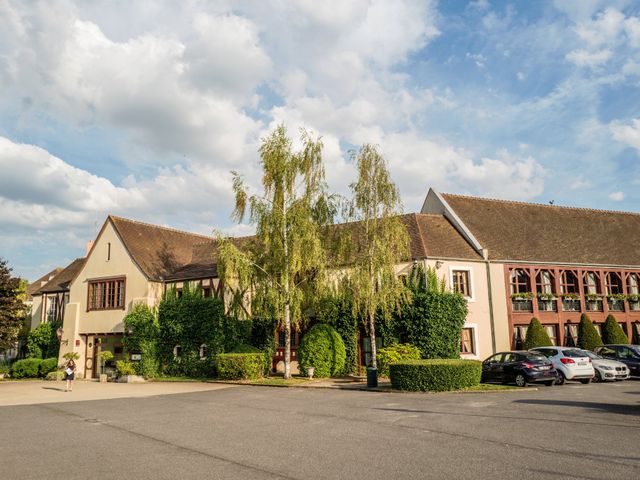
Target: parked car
(519,367)
(627,354)
(607,369)
(570,362)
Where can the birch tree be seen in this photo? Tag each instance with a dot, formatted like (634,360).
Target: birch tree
(282,268)
(376,243)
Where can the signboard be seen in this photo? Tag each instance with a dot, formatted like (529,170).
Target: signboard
(136,357)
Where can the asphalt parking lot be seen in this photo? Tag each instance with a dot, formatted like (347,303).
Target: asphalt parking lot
(573,431)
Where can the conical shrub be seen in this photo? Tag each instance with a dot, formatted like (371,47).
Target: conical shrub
(536,336)
(588,336)
(612,332)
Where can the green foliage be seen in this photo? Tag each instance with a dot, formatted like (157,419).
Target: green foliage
(27,368)
(433,321)
(375,243)
(435,375)
(56,375)
(42,341)
(337,311)
(189,322)
(244,348)
(394,354)
(321,347)
(612,332)
(240,366)
(12,307)
(105,356)
(48,365)
(536,336)
(144,326)
(71,356)
(284,264)
(125,368)
(588,336)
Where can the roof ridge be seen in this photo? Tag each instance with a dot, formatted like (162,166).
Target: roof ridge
(152,225)
(520,202)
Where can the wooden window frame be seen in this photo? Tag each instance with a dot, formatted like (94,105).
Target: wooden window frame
(456,284)
(472,338)
(565,286)
(116,293)
(609,285)
(515,286)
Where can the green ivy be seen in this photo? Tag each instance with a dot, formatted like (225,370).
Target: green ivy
(142,321)
(322,348)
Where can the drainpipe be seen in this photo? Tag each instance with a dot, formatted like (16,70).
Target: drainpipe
(485,256)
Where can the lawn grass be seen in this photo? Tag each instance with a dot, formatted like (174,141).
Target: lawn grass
(181,379)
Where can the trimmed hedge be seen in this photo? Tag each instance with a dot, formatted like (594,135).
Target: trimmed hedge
(588,336)
(536,336)
(240,366)
(435,375)
(394,354)
(322,348)
(612,332)
(56,375)
(27,368)
(245,348)
(48,365)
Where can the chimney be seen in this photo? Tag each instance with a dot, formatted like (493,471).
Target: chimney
(89,245)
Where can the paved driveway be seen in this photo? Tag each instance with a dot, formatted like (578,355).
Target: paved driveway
(575,431)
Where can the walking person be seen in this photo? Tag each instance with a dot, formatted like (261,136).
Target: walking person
(69,374)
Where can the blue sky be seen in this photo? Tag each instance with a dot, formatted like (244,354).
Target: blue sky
(142,109)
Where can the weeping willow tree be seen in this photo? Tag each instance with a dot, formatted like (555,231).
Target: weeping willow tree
(375,244)
(283,267)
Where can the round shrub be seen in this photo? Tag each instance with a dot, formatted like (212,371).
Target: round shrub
(240,366)
(394,354)
(536,336)
(48,365)
(55,375)
(612,332)
(588,336)
(322,348)
(435,375)
(27,368)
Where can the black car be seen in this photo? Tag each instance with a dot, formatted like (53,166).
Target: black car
(627,354)
(520,367)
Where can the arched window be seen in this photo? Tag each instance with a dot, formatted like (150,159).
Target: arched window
(204,351)
(177,351)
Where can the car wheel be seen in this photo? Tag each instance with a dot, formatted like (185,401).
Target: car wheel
(561,378)
(598,377)
(585,381)
(521,381)
(550,384)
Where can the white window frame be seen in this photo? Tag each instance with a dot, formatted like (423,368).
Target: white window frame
(474,330)
(464,268)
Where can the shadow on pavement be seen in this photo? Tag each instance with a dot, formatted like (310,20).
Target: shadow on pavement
(53,388)
(604,407)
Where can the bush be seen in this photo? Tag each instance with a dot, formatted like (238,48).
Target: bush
(125,368)
(435,375)
(245,348)
(47,366)
(588,336)
(56,375)
(42,341)
(337,311)
(612,332)
(322,348)
(394,354)
(536,336)
(27,368)
(433,321)
(240,366)
(143,322)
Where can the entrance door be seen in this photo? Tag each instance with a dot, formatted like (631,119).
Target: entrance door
(91,356)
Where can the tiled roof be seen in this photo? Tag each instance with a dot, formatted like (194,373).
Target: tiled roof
(158,251)
(36,285)
(60,282)
(521,231)
(442,240)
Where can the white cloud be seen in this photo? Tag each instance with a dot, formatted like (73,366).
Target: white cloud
(628,134)
(585,58)
(616,196)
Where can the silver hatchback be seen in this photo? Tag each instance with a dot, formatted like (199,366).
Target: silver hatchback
(570,362)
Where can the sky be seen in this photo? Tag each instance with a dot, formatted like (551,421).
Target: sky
(141,109)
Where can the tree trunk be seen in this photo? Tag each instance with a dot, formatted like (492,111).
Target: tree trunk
(287,341)
(372,335)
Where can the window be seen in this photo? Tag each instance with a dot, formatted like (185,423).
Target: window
(106,294)
(519,335)
(544,282)
(633,283)
(569,282)
(591,283)
(552,331)
(282,339)
(204,351)
(520,282)
(108,251)
(467,344)
(570,335)
(177,351)
(461,282)
(613,283)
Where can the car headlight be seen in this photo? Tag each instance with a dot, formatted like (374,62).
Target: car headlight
(606,367)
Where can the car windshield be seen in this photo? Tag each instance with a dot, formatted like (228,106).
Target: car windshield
(636,349)
(575,353)
(593,355)
(536,357)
